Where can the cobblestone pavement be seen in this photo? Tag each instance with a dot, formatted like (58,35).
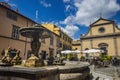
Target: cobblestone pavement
(103,73)
(98,76)
(106,73)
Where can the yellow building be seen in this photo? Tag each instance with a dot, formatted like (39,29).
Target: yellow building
(103,34)
(64,41)
(76,45)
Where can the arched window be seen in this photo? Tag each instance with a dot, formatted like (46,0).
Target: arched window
(86,48)
(87,55)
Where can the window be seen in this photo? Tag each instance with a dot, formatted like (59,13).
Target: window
(43,55)
(51,40)
(101,30)
(63,47)
(15,32)
(58,42)
(11,15)
(60,45)
(75,48)
(60,34)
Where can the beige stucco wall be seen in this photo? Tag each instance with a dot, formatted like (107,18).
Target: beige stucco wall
(7,24)
(118,45)
(109,41)
(96,42)
(5,31)
(86,44)
(101,22)
(88,33)
(78,47)
(45,46)
(112,42)
(117,29)
(108,30)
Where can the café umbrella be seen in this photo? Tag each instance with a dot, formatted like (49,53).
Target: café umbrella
(76,51)
(93,51)
(66,52)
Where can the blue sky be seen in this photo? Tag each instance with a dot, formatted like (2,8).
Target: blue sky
(73,16)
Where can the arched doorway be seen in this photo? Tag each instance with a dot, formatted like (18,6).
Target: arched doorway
(103,46)
(86,54)
(43,55)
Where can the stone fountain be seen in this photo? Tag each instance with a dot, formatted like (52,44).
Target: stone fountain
(29,71)
(35,33)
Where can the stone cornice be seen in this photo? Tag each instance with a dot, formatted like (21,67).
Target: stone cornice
(100,36)
(102,24)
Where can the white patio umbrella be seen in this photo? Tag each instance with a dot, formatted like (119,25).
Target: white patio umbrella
(76,51)
(93,51)
(66,51)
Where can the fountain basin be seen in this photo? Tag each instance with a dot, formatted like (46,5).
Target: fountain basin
(41,73)
(29,32)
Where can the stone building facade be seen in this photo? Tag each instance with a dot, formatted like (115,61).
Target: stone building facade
(76,45)
(103,34)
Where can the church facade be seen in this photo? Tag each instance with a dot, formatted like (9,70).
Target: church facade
(103,34)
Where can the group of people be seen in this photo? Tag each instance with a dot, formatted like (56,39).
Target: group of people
(115,62)
(98,62)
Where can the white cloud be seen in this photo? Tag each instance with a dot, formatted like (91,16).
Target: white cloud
(6,0)
(45,4)
(119,25)
(67,7)
(11,4)
(66,1)
(90,10)
(86,12)
(70,30)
